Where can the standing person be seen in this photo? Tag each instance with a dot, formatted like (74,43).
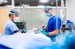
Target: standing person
(10,26)
(52,27)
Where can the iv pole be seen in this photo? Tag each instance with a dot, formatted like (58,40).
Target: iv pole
(57,14)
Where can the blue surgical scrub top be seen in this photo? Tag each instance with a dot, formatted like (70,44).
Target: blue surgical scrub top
(10,27)
(51,26)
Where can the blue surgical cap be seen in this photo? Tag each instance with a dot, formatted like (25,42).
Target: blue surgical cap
(12,11)
(46,8)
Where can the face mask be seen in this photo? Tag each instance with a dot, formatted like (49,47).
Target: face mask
(16,19)
(48,14)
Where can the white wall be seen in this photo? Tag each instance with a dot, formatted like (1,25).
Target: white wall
(35,17)
(71,10)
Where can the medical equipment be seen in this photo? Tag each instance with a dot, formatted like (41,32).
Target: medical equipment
(21,26)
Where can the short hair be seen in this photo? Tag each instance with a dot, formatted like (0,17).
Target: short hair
(10,15)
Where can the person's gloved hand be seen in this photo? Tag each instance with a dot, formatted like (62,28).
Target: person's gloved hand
(23,31)
(45,33)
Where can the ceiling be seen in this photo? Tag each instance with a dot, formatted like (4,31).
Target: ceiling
(31,2)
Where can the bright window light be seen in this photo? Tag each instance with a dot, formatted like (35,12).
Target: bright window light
(43,1)
(3,1)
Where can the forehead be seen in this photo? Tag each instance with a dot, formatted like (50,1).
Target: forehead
(13,15)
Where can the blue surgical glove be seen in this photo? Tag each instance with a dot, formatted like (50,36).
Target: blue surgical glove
(23,30)
(45,33)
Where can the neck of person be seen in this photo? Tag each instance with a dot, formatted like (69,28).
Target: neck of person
(11,19)
(52,14)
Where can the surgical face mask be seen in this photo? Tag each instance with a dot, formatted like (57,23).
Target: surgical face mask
(48,14)
(16,19)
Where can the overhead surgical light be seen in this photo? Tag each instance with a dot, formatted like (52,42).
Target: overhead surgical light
(43,1)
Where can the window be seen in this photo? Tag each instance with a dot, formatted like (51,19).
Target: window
(5,2)
(38,2)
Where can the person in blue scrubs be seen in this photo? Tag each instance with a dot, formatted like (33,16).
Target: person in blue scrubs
(70,25)
(54,23)
(10,26)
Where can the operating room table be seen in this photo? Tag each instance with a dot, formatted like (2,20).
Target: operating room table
(27,41)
